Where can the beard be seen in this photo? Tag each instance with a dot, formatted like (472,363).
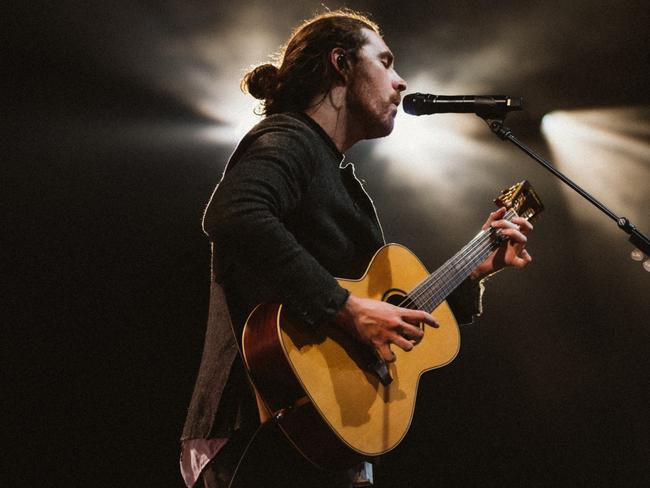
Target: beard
(371,115)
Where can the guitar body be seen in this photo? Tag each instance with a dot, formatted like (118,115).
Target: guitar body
(316,381)
(327,392)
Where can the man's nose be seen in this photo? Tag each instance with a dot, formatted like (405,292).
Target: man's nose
(399,83)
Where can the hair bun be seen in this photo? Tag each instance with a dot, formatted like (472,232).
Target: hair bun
(262,81)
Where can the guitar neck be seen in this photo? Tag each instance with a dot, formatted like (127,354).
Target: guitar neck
(439,284)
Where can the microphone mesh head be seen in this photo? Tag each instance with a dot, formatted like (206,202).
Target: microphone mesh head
(410,104)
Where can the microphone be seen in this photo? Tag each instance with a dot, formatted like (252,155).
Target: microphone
(481,105)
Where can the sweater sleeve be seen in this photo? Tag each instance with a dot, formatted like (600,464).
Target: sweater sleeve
(247,216)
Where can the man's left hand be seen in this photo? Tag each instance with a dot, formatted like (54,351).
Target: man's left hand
(513,253)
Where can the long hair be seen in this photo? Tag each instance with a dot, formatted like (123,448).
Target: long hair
(305,70)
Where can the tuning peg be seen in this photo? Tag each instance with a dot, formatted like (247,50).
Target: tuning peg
(646,265)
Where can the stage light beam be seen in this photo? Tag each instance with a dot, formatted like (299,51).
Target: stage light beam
(606,152)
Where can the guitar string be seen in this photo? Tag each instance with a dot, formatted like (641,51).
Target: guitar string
(459,267)
(424,289)
(474,248)
(430,290)
(471,255)
(437,294)
(468,256)
(424,296)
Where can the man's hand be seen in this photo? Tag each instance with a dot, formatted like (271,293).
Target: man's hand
(510,254)
(380,324)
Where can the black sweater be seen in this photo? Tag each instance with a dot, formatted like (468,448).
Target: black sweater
(289,215)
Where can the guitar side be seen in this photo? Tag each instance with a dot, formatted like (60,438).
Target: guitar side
(322,369)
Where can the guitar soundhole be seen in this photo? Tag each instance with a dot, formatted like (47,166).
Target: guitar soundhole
(394,296)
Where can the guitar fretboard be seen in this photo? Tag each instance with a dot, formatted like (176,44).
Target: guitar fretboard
(438,285)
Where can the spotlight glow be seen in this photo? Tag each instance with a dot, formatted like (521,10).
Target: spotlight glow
(605,151)
(445,156)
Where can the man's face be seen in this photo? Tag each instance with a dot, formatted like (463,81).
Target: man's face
(375,88)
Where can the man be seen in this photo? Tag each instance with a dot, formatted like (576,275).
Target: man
(289,215)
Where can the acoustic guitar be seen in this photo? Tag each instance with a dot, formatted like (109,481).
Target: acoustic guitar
(333,397)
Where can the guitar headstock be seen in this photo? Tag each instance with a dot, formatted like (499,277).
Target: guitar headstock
(522,198)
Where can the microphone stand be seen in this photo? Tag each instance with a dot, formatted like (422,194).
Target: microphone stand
(495,118)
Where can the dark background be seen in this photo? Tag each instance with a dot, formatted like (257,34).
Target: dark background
(118,119)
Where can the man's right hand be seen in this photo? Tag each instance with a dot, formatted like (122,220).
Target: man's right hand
(380,324)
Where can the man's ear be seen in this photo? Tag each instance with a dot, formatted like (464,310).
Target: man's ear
(339,61)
